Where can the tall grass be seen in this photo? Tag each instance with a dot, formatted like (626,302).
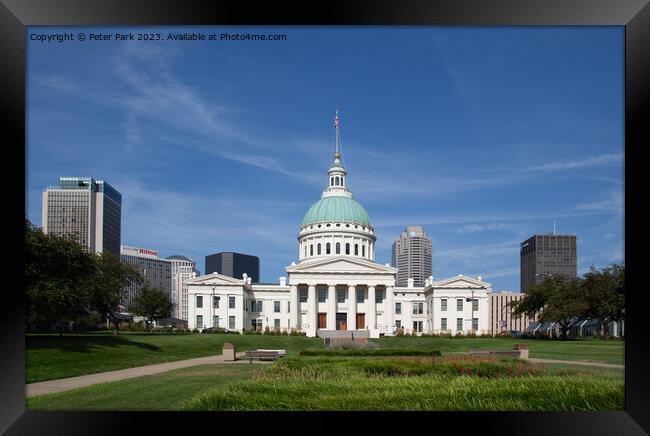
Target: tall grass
(431,392)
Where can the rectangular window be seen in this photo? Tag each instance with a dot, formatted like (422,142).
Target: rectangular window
(231,302)
(341,296)
(231,322)
(215,302)
(379,296)
(475,305)
(418,308)
(199,321)
(303,295)
(276,306)
(215,321)
(398,323)
(361,295)
(459,304)
(443,323)
(474,324)
(398,308)
(322,295)
(459,323)
(443,304)
(417,326)
(276,323)
(199,301)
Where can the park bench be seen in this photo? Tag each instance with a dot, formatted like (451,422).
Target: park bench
(262,355)
(494,353)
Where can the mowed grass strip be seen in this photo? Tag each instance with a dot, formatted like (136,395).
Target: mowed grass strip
(370,352)
(595,350)
(51,356)
(357,392)
(166,391)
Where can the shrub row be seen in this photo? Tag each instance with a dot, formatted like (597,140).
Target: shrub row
(369,352)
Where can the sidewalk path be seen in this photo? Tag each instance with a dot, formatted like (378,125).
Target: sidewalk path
(64,384)
(577,362)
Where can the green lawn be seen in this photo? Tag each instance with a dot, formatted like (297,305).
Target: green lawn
(594,350)
(51,357)
(167,391)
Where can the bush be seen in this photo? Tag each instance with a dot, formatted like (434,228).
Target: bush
(195,330)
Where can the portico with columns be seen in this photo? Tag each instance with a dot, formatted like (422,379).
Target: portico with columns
(344,294)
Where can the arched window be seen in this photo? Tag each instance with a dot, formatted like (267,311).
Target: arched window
(338,248)
(327,248)
(363,251)
(347,248)
(356,249)
(341,181)
(311,250)
(336,181)
(332,181)
(305,251)
(318,249)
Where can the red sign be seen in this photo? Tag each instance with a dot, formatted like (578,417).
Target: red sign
(147,251)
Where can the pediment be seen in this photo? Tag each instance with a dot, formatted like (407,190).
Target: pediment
(340,265)
(215,279)
(461,281)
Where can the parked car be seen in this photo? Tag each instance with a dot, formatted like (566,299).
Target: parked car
(516,333)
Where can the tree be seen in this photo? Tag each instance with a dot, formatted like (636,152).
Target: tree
(556,299)
(58,275)
(152,303)
(111,277)
(604,291)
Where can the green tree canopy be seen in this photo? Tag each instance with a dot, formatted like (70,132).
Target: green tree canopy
(556,299)
(604,291)
(58,277)
(111,277)
(153,303)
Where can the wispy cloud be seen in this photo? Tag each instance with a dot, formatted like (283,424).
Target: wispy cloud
(606,159)
(475,228)
(614,202)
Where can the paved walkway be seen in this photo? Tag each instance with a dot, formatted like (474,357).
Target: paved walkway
(64,384)
(577,362)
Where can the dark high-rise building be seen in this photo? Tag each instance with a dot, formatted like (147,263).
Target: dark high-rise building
(545,255)
(233,265)
(412,253)
(86,209)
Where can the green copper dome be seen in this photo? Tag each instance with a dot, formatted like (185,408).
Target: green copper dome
(337,209)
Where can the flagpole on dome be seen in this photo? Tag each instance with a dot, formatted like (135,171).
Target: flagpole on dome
(337,155)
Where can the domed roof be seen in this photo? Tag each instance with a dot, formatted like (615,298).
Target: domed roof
(337,209)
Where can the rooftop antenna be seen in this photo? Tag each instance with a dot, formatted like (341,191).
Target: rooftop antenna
(554,227)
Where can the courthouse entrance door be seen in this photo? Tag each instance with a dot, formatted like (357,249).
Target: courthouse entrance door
(361,321)
(322,320)
(341,321)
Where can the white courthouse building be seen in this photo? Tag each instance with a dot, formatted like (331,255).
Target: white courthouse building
(337,285)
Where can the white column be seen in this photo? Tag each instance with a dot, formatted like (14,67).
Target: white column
(331,308)
(312,311)
(372,309)
(389,310)
(352,308)
(294,307)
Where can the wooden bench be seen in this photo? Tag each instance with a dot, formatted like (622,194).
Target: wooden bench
(261,355)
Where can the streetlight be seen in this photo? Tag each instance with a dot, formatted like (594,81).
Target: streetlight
(214,287)
(472,305)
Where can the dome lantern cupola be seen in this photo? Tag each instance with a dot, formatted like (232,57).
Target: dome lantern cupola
(336,224)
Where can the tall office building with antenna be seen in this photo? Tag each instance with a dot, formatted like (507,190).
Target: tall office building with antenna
(546,255)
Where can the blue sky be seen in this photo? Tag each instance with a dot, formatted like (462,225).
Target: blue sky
(481,135)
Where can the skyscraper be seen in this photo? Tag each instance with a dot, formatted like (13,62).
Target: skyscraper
(546,255)
(87,209)
(412,254)
(233,265)
(182,270)
(156,272)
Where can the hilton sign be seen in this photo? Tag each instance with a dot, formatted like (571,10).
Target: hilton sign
(136,251)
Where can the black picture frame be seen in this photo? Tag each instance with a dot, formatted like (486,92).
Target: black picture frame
(634,15)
